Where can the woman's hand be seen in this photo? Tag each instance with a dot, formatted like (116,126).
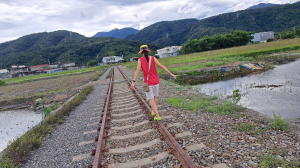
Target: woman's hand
(174,76)
(132,85)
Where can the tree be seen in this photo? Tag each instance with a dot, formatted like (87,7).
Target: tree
(111,53)
(92,63)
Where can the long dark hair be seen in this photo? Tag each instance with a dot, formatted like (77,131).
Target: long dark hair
(145,53)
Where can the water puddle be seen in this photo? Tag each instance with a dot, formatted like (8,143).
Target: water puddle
(15,123)
(275,90)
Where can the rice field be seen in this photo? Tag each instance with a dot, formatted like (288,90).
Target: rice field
(69,72)
(246,53)
(53,89)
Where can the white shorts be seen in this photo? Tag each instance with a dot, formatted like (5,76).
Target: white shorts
(153,92)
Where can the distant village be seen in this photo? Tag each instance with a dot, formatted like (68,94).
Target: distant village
(22,70)
(171,51)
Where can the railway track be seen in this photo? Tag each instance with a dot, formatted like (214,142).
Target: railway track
(129,137)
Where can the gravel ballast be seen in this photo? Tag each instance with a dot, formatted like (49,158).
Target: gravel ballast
(62,144)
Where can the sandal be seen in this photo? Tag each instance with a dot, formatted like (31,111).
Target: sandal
(156,119)
(153,114)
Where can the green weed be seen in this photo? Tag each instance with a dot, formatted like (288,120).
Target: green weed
(236,96)
(280,123)
(226,109)
(62,89)
(2,83)
(52,92)
(110,73)
(47,111)
(57,105)
(270,160)
(190,103)
(270,66)
(245,127)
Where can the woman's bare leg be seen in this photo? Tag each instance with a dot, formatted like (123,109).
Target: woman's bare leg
(155,100)
(154,108)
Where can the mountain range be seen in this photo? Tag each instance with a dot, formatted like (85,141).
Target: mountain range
(276,18)
(60,46)
(117,33)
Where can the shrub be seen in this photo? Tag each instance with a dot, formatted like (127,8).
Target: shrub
(280,123)
(92,63)
(2,83)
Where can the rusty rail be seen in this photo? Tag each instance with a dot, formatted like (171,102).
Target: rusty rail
(181,155)
(102,135)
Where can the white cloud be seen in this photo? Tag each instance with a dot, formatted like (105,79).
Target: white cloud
(87,17)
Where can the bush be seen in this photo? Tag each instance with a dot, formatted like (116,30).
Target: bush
(92,63)
(280,123)
(2,83)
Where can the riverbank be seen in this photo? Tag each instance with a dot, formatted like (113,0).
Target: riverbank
(233,135)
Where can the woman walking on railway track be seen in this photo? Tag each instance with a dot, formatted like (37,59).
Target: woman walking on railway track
(151,81)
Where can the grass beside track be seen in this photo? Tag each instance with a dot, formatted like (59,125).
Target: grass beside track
(18,151)
(110,73)
(41,76)
(224,56)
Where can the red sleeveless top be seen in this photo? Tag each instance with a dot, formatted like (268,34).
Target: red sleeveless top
(153,77)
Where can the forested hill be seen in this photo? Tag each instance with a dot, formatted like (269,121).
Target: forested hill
(262,5)
(161,29)
(34,42)
(117,33)
(276,18)
(60,46)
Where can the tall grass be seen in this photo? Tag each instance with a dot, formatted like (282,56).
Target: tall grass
(18,150)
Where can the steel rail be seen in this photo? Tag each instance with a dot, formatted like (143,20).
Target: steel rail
(101,139)
(181,155)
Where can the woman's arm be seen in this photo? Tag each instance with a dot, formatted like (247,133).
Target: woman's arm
(138,69)
(164,68)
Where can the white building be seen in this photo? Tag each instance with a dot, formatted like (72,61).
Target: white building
(168,51)
(3,71)
(263,36)
(112,60)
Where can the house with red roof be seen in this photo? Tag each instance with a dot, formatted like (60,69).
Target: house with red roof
(40,68)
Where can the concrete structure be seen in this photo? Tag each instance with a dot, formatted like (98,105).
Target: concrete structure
(134,59)
(263,36)
(112,60)
(168,51)
(3,71)
(39,68)
(59,67)
(17,71)
(62,65)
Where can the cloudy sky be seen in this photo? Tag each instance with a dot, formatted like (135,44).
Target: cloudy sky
(87,17)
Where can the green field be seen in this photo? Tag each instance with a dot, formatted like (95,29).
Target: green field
(76,71)
(213,58)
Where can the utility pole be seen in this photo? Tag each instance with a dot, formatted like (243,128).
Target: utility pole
(48,61)
(97,59)
(294,29)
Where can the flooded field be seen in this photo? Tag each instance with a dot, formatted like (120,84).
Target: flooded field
(275,90)
(13,124)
